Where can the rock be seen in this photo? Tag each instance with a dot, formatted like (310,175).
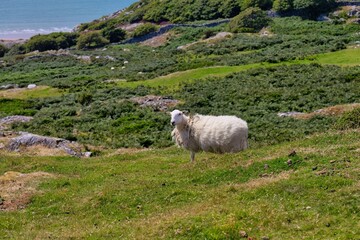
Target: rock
(8,86)
(28,139)
(13,119)
(292,153)
(156,102)
(31,86)
(323,18)
(289,114)
(243,234)
(87,154)
(289,162)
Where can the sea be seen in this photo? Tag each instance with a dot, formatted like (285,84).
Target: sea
(21,19)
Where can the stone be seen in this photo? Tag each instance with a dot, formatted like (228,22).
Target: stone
(31,86)
(9,86)
(243,234)
(87,154)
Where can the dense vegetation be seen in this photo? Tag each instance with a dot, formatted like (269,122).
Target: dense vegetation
(94,110)
(100,32)
(189,10)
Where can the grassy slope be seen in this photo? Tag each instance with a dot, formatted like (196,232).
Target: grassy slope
(159,194)
(347,57)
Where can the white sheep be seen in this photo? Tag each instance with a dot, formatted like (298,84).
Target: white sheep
(217,134)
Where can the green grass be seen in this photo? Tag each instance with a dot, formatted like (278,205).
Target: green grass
(347,57)
(24,93)
(173,80)
(14,107)
(158,194)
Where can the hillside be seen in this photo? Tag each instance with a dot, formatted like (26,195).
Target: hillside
(158,194)
(176,11)
(295,81)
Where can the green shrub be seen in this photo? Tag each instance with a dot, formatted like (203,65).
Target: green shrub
(114,35)
(3,50)
(16,49)
(263,4)
(250,20)
(84,98)
(15,107)
(144,29)
(349,120)
(282,5)
(91,40)
(52,41)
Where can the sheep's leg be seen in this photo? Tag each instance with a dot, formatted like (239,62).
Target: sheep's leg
(192,156)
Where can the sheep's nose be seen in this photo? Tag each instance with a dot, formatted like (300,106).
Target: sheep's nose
(173,123)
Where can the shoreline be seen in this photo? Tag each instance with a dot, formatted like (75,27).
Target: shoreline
(10,42)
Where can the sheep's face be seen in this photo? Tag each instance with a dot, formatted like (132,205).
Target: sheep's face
(177,117)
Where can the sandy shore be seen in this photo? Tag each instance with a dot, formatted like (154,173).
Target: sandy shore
(11,42)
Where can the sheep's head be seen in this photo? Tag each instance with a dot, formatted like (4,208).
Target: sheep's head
(178,118)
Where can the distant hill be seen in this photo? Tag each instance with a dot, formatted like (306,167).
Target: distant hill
(175,11)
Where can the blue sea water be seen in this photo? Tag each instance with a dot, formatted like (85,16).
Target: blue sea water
(25,18)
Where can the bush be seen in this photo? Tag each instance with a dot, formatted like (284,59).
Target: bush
(114,35)
(52,41)
(16,49)
(282,5)
(305,8)
(144,29)
(91,40)
(263,4)
(250,20)
(349,120)
(84,98)
(3,50)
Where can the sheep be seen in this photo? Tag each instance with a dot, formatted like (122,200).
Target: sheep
(217,134)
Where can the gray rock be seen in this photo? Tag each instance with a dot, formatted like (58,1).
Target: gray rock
(8,86)
(289,114)
(29,139)
(87,154)
(13,119)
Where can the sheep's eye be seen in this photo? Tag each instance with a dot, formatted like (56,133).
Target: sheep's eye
(180,114)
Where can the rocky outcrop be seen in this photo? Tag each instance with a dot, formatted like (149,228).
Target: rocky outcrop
(28,139)
(168,27)
(158,103)
(6,121)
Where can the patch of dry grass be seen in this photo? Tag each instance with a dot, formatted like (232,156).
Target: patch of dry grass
(336,110)
(16,189)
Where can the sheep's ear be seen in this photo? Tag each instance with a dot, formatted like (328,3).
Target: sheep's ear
(185,111)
